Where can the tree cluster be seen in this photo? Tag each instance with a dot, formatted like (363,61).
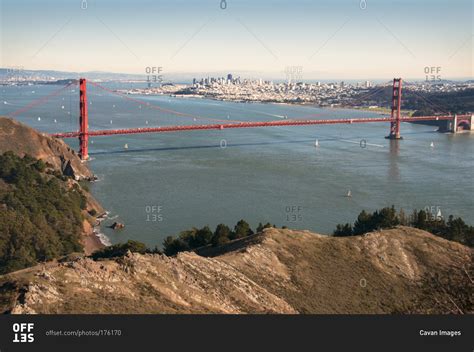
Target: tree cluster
(195,238)
(453,229)
(40,217)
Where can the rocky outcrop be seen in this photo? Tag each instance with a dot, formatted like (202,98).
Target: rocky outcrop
(117,226)
(21,139)
(279,271)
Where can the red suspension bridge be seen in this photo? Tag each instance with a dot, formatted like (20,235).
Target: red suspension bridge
(395,119)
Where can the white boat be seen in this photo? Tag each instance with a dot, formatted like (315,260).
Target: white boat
(126,146)
(316,143)
(432,145)
(349,194)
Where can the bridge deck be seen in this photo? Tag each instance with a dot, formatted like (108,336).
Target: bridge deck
(249,125)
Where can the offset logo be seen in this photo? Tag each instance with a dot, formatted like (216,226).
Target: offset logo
(23,332)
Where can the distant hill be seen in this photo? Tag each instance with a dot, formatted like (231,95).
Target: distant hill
(424,103)
(6,73)
(461,102)
(277,271)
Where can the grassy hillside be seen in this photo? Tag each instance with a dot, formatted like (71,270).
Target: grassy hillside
(277,271)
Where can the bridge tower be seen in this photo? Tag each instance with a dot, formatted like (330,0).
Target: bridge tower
(396,104)
(83,121)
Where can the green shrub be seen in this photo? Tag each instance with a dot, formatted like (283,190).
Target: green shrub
(118,250)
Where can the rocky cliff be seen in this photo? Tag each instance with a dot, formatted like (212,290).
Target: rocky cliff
(21,139)
(278,271)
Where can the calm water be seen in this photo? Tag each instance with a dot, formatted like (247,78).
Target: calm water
(165,183)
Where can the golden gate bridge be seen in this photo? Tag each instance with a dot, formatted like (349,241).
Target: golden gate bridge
(395,119)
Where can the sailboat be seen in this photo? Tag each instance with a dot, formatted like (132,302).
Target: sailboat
(349,194)
(126,146)
(432,145)
(316,143)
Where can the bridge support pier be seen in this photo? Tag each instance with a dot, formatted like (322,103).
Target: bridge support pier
(395,114)
(83,121)
(463,123)
(457,124)
(472,123)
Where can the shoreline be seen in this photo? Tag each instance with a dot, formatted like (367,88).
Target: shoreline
(104,240)
(92,238)
(378,110)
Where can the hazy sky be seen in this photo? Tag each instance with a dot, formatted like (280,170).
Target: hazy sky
(328,39)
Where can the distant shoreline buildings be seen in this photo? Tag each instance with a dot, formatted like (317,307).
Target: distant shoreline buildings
(295,90)
(231,87)
(210,81)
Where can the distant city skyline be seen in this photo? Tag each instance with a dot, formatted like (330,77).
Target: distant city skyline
(328,39)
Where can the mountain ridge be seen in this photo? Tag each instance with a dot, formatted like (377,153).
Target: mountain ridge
(279,271)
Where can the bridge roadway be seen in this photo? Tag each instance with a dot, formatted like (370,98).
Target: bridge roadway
(248,125)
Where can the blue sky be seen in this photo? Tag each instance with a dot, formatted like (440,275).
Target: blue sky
(328,39)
